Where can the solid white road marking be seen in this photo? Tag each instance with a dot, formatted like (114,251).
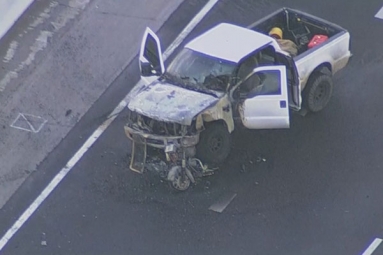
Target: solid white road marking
(379,14)
(11,51)
(70,12)
(222,203)
(93,138)
(189,28)
(372,246)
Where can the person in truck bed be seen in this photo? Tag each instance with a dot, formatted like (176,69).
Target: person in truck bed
(286,45)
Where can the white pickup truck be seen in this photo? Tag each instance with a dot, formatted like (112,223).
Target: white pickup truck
(228,76)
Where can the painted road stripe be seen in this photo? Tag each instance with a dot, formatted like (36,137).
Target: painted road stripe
(10,12)
(96,134)
(372,246)
(222,203)
(379,15)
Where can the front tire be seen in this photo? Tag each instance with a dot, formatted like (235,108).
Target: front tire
(318,92)
(214,143)
(180,183)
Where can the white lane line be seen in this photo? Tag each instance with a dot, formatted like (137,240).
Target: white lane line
(222,203)
(93,138)
(372,246)
(209,5)
(379,14)
(11,51)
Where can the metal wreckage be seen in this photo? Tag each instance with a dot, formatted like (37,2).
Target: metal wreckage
(181,122)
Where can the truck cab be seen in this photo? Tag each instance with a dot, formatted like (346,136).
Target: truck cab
(246,66)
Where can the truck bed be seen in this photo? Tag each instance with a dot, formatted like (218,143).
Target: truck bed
(298,27)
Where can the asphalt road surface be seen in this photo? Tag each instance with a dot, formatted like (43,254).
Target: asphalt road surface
(317,192)
(57,60)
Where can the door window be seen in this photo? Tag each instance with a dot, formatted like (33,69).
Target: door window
(151,62)
(261,83)
(151,53)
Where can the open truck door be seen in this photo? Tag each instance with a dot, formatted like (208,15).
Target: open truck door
(293,82)
(151,60)
(265,106)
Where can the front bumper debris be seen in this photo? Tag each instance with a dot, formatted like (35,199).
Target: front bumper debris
(159,141)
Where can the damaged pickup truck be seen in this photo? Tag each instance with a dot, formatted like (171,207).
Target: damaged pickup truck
(227,77)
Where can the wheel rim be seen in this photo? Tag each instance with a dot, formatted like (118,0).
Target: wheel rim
(321,95)
(215,143)
(182,182)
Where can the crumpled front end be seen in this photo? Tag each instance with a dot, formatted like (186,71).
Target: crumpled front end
(177,141)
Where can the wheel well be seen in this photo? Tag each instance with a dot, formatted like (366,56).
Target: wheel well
(324,68)
(213,122)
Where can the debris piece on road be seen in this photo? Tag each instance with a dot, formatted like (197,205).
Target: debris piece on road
(68,112)
(222,203)
(261,159)
(243,168)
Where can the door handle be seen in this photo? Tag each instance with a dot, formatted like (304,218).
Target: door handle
(282,104)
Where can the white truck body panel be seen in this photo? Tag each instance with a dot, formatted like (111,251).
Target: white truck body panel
(229,42)
(265,111)
(336,53)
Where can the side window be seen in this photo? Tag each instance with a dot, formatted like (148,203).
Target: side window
(151,52)
(247,67)
(269,84)
(267,56)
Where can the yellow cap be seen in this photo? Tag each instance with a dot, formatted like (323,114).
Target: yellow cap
(276,31)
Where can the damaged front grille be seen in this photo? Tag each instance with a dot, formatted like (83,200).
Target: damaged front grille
(156,127)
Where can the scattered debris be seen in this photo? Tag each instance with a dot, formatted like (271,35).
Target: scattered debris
(261,159)
(243,168)
(68,112)
(222,203)
(250,162)
(43,241)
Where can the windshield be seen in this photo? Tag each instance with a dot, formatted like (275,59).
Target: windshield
(201,71)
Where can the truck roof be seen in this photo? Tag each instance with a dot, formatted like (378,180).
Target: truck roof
(229,42)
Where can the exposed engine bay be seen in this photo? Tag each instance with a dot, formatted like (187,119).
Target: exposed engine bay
(157,127)
(167,149)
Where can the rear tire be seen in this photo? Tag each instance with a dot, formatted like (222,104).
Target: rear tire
(318,92)
(214,144)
